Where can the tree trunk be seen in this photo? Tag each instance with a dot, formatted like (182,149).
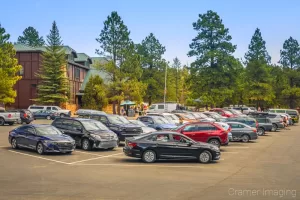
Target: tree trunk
(119,108)
(114,107)
(150,100)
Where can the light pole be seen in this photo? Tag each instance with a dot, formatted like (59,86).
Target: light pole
(165,91)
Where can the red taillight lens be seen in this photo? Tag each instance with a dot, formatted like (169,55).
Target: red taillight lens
(25,115)
(131,144)
(254,130)
(9,116)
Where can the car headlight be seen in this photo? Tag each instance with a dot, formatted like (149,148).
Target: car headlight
(47,142)
(215,148)
(97,137)
(116,136)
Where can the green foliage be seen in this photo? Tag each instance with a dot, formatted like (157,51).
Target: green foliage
(153,66)
(54,87)
(213,72)
(8,69)
(95,96)
(31,37)
(177,66)
(290,54)
(257,49)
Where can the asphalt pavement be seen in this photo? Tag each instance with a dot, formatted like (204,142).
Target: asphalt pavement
(268,168)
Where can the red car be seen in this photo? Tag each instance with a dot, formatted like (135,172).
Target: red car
(209,132)
(224,113)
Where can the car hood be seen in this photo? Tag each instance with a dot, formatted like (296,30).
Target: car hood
(62,137)
(208,119)
(167,126)
(148,129)
(103,132)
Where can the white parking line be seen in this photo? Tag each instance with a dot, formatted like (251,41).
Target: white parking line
(39,157)
(141,165)
(93,154)
(95,158)
(231,147)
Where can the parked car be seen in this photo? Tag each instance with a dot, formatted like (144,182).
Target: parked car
(292,112)
(264,124)
(169,145)
(276,120)
(222,112)
(162,107)
(185,117)
(245,120)
(156,122)
(208,132)
(146,129)
(118,124)
(245,110)
(45,114)
(242,132)
(88,134)
(42,138)
(84,112)
(236,113)
(61,112)
(216,116)
(169,116)
(226,128)
(201,117)
(9,118)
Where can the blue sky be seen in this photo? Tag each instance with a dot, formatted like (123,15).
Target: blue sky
(80,22)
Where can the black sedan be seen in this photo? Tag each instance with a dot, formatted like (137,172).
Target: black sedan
(42,138)
(169,145)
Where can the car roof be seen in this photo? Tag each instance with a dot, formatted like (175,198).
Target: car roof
(36,125)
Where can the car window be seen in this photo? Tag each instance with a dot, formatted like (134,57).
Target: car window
(280,111)
(29,129)
(291,112)
(261,120)
(103,119)
(67,123)
(190,128)
(95,117)
(180,139)
(234,125)
(48,108)
(47,130)
(55,108)
(143,119)
(161,106)
(57,122)
(77,125)
(211,127)
(161,138)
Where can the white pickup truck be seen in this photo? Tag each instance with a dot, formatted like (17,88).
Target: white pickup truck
(8,117)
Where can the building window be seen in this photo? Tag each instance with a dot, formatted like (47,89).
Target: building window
(77,73)
(21,72)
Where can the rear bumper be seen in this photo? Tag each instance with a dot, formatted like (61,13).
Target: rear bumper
(253,136)
(11,120)
(132,152)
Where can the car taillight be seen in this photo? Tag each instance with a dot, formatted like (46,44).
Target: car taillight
(9,116)
(131,144)
(254,130)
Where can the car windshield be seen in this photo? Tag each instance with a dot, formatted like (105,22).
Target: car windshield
(58,108)
(202,115)
(160,120)
(124,120)
(93,125)
(47,130)
(216,115)
(137,122)
(227,112)
(114,119)
(236,112)
(189,116)
(152,107)
(169,118)
(224,126)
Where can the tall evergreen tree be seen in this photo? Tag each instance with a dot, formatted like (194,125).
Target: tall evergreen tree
(290,60)
(257,49)
(114,40)
(8,69)
(31,37)
(54,87)
(212,76)
(95,94)
(151,51)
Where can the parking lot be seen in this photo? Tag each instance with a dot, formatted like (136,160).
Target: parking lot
(269,166)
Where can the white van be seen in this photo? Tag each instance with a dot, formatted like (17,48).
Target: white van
(61,112)
(162,107)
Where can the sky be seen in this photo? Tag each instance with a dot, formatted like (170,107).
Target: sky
(80,22)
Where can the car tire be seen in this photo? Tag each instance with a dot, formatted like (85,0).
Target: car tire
(149,156)
(260,131)
(48,117)
(14,143)
(86,145)
(274,127)
(215,142)
(40,148)
(2,121)
(205,157)
(11,123)
(245,138)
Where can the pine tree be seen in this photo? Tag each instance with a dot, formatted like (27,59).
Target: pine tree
(31,38)
(95,94)
(8,69)
(54,87)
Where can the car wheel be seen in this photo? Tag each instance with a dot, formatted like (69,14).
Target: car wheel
(40,148)
(14,143)
(245,138)
(205,157)
(260,131)
(149,156)
(86,145)
(215,142)
(48,117)
(2,122)
(274,127)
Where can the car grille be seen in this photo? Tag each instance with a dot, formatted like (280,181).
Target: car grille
(64,144)
(107,137)
(133,130)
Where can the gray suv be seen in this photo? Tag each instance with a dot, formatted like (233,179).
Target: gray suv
(275,119)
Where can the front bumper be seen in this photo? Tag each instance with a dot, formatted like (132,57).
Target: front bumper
(217,156)
(105,144)
(57,149)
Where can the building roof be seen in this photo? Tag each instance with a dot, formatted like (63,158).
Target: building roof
(82,57)
(25,48)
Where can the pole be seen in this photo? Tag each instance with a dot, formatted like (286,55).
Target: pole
(165,92)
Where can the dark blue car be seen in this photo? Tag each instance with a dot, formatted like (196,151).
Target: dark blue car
(45,114)
(42,138)
(156,122)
